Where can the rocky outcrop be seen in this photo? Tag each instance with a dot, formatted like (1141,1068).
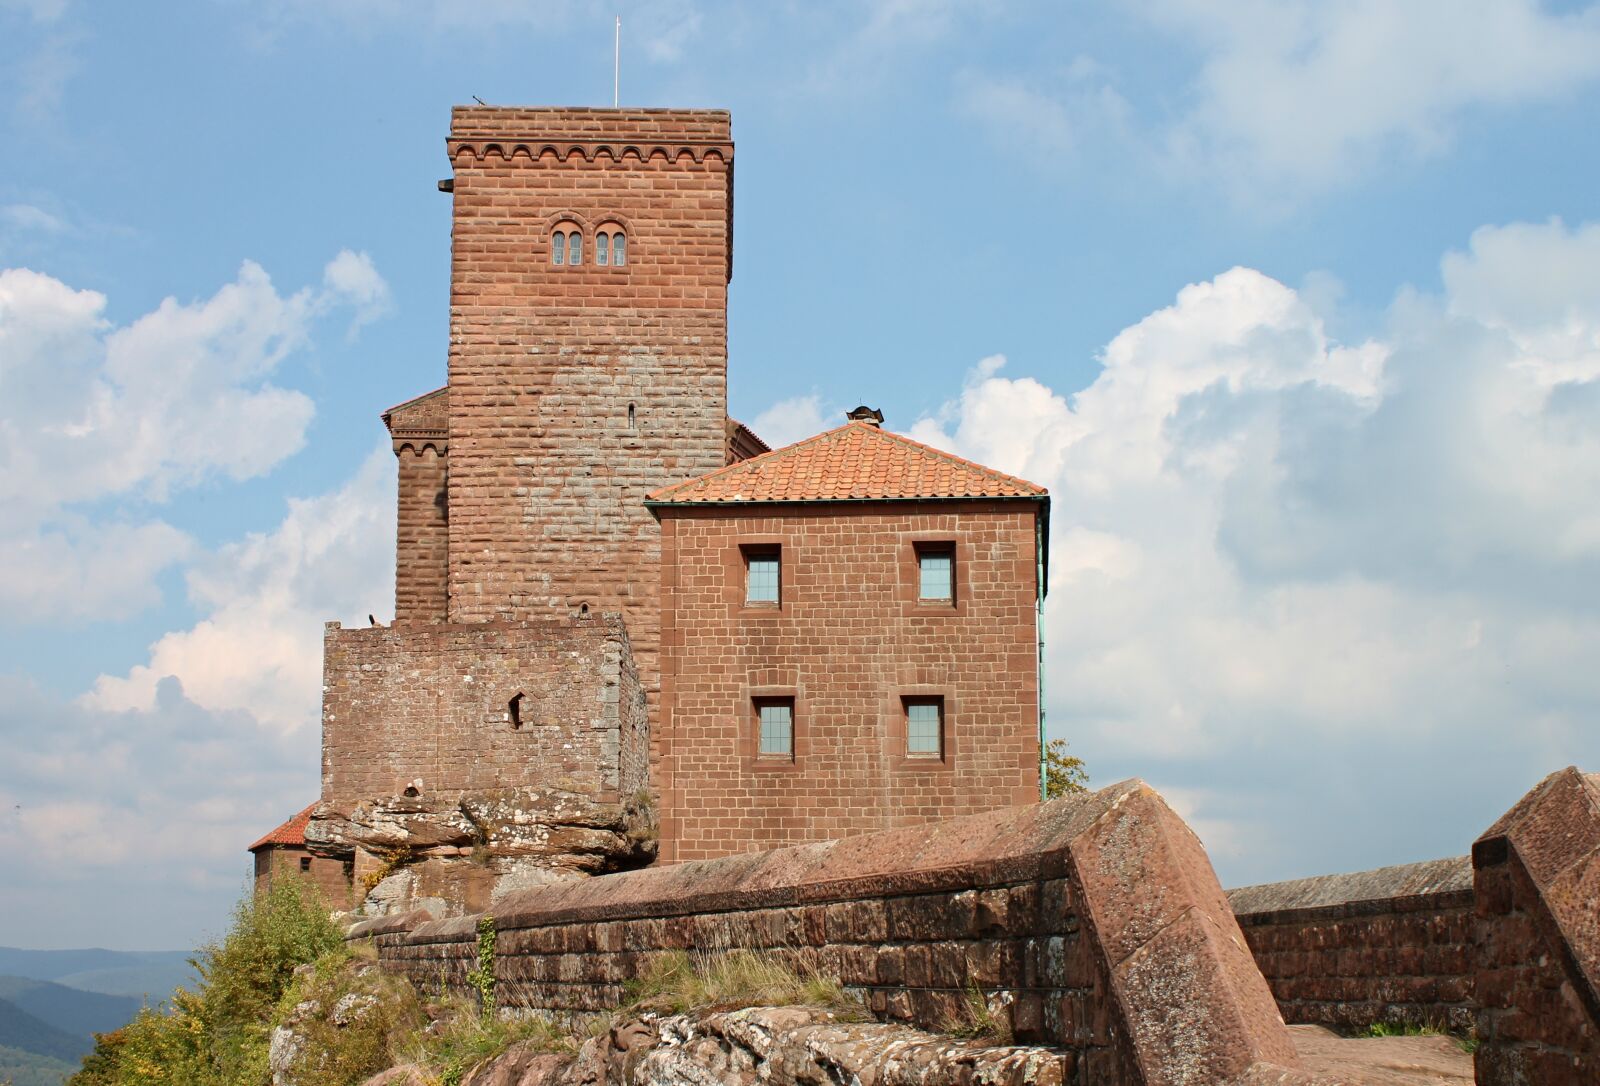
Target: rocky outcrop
(447,856)
(765,1045)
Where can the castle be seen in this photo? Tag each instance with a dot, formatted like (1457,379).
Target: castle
(625,630)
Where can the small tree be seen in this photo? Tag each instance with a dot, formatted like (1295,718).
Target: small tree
(1063,773)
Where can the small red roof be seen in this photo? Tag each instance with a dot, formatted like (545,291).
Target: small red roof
(856,462)
(292,832)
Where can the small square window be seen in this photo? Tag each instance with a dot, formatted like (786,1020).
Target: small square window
(305,863)
(936,573)
(925,727)
(776,717)
(762,575)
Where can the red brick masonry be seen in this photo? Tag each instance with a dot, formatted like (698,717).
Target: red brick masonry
(1095,921)
(1537,875)
(1392,945)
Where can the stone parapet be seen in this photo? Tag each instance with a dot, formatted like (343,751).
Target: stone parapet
(1537,880)
(1092,923)
(1392,945)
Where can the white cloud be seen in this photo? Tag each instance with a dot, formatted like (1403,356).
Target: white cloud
(258,649)
(788,421)
(1291,575)
(41,11)
(1307,92)
(352,278)
(1290,97)
(28,217)
(158,805)
(91,413)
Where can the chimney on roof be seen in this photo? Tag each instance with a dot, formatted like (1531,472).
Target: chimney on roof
(869,415)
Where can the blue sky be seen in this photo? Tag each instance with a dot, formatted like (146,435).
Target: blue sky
(1290,303)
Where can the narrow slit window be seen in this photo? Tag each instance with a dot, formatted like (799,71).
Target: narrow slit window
(924,727)
(558,247)
(763,572)
(602,249)
(632,418)
(619,249)
(936,573)
(574,248)
(776,719)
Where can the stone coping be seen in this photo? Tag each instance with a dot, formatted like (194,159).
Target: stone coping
(1400,888)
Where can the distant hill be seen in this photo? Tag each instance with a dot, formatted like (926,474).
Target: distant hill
(19,1029)
(152,974)
(70,1010)
(27,1069)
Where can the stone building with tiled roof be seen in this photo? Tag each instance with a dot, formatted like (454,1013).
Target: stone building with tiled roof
(627,631)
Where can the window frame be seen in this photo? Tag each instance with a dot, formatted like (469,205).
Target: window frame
(897,710)
(754,697)
(749,553)
(910,702)
(929,549)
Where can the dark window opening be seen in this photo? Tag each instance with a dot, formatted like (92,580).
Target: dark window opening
(305,863)
(514,712)
(631,418)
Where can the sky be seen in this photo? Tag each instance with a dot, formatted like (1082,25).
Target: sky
(1292,304)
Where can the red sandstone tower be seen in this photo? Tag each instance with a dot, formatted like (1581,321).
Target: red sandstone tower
(588,363)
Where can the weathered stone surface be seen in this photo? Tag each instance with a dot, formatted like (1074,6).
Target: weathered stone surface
(469,755)
(1537,896)
(776,1045)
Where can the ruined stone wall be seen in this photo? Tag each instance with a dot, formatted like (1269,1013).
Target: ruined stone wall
(848,642)
(434,704)
(1347,951)
(574,391)
(1093,923)
(1537,883)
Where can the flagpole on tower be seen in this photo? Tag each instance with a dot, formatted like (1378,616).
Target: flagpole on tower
(616,65)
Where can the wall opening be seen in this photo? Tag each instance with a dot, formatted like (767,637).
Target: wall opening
(514,712)
(632,425)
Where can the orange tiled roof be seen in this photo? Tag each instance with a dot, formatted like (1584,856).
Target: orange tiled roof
(292,832)
(856,462)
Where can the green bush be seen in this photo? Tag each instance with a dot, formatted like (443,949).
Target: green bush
(217,1035)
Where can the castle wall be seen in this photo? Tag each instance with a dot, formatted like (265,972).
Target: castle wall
(1389,946)
(1093,923)
(1537,891)
(432,703)
(848,642)
(548,466)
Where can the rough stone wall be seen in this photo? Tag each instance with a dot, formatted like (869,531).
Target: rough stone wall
(1093,923)
(432,703)
(848,642)
(1392,945)
(547,474)
(330,876)
(422,544)
(1537,888)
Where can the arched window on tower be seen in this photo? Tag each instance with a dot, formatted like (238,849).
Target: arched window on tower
(558,247)
(575,248)
(610,236)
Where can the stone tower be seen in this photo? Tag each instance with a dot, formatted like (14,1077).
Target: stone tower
(577,386)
